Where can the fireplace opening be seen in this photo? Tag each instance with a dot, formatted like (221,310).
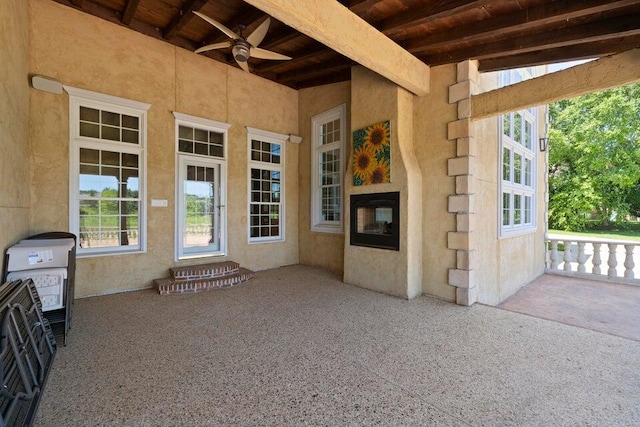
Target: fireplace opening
(375,220)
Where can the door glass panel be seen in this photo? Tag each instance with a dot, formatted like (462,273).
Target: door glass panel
(201,213)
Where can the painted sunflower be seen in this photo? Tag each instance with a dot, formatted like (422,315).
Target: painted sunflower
(378,136)
(363,162)
(379,173)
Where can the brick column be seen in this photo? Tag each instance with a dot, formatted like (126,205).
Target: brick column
(462,167)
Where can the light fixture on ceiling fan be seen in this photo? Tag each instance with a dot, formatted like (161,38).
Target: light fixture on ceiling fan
(242,47)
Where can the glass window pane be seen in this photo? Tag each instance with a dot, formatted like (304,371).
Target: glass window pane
(201,135)
(90,130)
(185,132)
(110,133)
(110,158)
(89,115)
(109,118)
(130,160)
(201,149)
(528,135)
(89,156)
(506,125)
(130,136)
(506,209)
(506,164)
(185,146)
(130,122)
(517,128)
(517,209)
(517,168)
(528,166)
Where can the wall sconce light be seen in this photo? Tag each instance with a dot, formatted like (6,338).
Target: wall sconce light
(544,143)
(296,139)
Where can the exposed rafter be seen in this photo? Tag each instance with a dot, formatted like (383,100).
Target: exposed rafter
(329,35)
(621,26)
(182,18)
(130,10)
(436,10)
(525,19)
(560,54)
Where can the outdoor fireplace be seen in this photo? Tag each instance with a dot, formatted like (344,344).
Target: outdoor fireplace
(375,220)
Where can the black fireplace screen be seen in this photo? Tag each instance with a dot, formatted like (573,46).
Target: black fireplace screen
(375,220)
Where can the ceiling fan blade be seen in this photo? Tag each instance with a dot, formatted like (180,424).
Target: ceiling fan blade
(256,52)
(214,46)
(218,25)
(243,65)
(258,34)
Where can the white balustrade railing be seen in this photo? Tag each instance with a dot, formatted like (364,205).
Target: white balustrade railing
(572,256)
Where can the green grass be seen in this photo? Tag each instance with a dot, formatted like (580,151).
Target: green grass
(625,231)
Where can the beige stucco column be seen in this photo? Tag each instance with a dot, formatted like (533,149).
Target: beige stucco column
(462,167)
(375,99)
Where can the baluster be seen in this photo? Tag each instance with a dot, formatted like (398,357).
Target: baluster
(554,255)
(596,259)
(628,261)
(613,261)
(582,258)
(567,255)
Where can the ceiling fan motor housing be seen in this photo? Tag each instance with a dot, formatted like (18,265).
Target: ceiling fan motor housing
(241,50)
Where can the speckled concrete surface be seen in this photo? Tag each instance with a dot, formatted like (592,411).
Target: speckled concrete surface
(295,346)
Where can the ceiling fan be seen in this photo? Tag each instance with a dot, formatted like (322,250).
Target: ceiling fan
(242,47)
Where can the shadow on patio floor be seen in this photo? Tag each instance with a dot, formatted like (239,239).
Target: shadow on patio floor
(600,306)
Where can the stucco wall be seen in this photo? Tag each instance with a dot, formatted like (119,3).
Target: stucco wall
(90,53)
(319,249)
(433,149)
(14,122)
(375,99)
(504,264)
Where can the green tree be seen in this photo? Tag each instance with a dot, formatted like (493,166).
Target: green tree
(594,157)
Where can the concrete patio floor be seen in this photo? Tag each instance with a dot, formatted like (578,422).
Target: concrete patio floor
(295,346)
(601,306)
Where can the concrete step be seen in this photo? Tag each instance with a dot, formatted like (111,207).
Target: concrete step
(169,286)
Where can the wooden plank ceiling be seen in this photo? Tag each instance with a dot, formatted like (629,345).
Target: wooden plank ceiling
(500,34)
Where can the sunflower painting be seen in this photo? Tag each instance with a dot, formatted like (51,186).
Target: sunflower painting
(372,154)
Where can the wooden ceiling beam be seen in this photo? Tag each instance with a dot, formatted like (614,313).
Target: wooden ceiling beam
(526,19)
(334,25)
(560,54)
(604,73)
(426,14)
(182,18)
(288,34)
(621,26)
(130,11)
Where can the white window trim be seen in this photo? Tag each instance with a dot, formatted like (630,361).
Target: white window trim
(182,158)
(271,137)
(512,230)
(78,97)
(339,112)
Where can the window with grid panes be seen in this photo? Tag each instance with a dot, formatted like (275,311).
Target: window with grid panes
(328,135)
(517,184)
(266,186)
(107,203)
(201,187)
